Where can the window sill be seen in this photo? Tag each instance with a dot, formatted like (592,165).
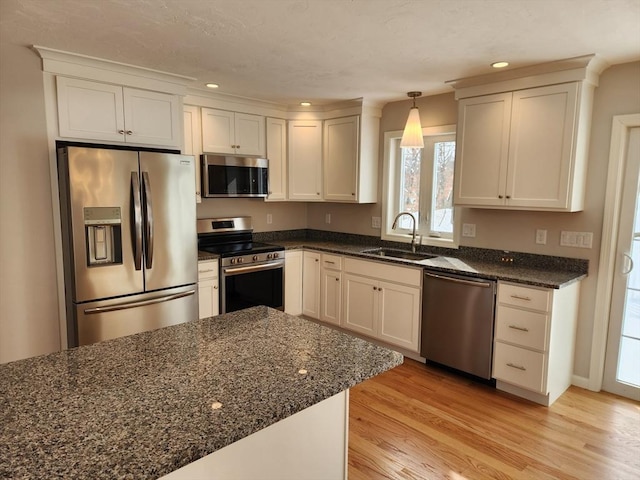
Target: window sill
(427,241)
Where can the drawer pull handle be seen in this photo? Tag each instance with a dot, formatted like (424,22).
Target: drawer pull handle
(519,367)
(205,271)
(328,261)
(522,329)
(520,297)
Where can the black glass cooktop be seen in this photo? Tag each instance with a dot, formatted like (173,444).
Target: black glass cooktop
(244,248)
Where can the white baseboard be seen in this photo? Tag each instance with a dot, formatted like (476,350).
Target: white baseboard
(582,382)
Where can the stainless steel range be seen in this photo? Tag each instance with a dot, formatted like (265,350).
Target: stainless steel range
(251,273)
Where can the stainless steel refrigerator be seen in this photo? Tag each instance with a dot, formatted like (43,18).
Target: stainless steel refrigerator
(129,240)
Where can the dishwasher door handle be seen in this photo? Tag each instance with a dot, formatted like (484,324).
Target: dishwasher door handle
(459,280)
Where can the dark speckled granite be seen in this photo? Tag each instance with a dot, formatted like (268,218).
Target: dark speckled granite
(140,406)
(529,269)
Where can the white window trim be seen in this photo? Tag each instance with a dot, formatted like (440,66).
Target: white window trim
(390,143)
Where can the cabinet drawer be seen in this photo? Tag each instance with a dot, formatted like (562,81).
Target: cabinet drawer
(527,297)
(519,366)
(207,269)
(333,262)
(522,327)
(391,273)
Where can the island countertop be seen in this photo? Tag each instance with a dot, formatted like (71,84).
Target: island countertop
(141,406)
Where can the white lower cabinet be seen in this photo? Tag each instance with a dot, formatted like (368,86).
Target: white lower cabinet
(534,340)
(208,296)
(331,288)
(293,282)
(382,301)
(311,284)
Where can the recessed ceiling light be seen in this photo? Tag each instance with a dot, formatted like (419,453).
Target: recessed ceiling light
(500,64)
(305,104)
(212,85)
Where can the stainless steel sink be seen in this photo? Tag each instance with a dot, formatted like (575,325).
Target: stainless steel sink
(395,253)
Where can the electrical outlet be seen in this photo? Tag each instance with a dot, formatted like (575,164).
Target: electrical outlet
(468,229)
(375,222)
(269,219)
(541,237)
(576,239)
(327,218)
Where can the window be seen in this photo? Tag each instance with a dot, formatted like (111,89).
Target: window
(420,181)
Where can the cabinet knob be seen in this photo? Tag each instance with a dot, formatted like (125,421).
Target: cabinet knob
(317,193)
(508,196)
(316,260)
(353,194)
(121,132)
(337,279)
(375,288)
(215,287)
(499,196)
(129,132)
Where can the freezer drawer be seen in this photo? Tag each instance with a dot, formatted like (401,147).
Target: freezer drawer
(107,319)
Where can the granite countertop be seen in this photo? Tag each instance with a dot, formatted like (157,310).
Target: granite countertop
(140,406)
(476,267)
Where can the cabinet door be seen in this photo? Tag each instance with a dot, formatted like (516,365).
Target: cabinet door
(541,146)
(277,155)
(482,150)
(360,309)
(305,160)
(208,298)
(341,159)
(399,315)
(293,282)
(152,117)
(218,131)
(311,284)
(331,294)
(249,134)
(193,141)
(90,110)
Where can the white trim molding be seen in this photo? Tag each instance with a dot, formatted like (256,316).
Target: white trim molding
(610,224)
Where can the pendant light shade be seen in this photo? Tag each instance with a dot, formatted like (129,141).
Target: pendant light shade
(412,135)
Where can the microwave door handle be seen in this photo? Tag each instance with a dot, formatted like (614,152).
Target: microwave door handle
(136,224)
(148,219)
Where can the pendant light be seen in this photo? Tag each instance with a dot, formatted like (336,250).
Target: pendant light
(412,136)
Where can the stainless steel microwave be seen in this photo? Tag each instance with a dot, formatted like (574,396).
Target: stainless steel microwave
(229,176)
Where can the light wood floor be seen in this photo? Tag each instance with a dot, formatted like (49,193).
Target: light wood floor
(419,422)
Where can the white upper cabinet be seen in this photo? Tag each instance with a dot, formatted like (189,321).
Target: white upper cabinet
(193,142)
(277,155)
(99,111)
(522,142)
(232,132)
(341,159)
(305,160)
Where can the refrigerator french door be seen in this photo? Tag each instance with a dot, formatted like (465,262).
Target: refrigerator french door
(130,241)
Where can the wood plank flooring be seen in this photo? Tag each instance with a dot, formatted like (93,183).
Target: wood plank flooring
(420,422)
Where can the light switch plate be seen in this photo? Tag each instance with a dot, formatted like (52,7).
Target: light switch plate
(375,222)
(327,218)
(269,219)
(468,229)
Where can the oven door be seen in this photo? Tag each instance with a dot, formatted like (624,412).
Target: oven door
(252,285)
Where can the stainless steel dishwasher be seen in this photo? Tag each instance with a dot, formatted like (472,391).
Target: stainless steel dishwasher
(457,322)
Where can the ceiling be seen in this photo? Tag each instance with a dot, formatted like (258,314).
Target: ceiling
(286,51)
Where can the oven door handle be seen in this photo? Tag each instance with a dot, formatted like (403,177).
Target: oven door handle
(229,271)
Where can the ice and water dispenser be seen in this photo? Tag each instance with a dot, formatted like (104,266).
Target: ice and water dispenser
(103,235)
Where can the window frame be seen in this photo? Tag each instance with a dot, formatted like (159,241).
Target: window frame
(390,198)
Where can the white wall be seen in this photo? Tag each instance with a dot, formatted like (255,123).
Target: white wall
(28,292)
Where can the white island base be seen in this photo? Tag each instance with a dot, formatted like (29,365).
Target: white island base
(309,445)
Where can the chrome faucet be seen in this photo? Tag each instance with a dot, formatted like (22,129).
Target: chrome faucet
(413,235)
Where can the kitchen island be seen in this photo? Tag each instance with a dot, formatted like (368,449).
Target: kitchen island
(146,405)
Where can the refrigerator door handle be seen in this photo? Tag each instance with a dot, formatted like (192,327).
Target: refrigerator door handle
(137,221)
(142,303)
(148,226)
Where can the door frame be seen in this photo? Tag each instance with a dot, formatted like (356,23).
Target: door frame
(621,125)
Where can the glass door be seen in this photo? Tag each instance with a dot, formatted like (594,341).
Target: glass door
(622,375)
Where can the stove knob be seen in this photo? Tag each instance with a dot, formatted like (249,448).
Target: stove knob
(240,259)
(255,258)
(233,260)
(269,256)
(276,255)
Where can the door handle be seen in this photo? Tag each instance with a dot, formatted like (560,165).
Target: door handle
(148,215)
(142,303)
(459,280)
(137,221)
(630,264)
